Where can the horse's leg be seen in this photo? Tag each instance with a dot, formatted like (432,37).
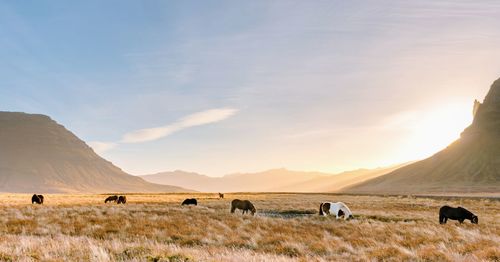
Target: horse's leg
(232,209)
(461,220)
(325,212)
(441,219)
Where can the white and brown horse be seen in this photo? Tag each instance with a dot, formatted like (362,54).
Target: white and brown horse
(339,209)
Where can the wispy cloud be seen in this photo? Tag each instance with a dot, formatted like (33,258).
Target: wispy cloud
(155,133)
(196,119)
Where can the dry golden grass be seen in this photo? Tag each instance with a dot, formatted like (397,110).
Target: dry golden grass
(156,228)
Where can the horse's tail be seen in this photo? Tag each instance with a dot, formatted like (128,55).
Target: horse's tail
(321,209)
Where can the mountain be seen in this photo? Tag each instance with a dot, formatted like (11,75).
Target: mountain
(39,155)
(185,179)
(249,182)
(471,164)
(276,180)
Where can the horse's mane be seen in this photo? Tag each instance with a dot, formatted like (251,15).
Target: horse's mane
(466,211)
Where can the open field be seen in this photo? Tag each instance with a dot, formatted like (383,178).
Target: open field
(154,227)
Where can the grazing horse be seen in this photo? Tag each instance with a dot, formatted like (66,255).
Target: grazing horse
(189,201)
(459,213)
(339,209)
(37,199)
(121,200)
(244,205)
(111,199)
(221,195)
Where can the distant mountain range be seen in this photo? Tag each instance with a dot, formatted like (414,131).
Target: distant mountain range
(469,165)
(276,180)
(39,155)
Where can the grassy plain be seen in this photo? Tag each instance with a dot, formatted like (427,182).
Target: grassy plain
(154,227)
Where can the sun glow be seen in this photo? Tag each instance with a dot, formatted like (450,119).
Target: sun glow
(432,130)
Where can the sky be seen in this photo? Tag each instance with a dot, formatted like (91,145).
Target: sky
(218,87)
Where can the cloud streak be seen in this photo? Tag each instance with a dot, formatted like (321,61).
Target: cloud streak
(196,119)
(155,133)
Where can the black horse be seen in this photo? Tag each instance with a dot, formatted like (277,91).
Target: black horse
(458,213)
(190,201)
(122,200)
(111,199)
(38,199)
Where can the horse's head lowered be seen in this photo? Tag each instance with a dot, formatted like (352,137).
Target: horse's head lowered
(346,215)
(253,210)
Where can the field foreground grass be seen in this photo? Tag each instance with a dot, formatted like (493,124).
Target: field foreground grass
(154,227)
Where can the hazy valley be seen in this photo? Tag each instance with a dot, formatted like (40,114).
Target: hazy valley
(275,180)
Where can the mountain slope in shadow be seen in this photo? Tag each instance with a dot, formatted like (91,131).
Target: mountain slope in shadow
(39,155)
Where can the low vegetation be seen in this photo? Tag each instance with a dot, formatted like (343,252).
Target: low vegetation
(286,227)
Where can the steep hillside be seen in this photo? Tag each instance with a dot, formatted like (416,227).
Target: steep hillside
(469,165)
(39,155)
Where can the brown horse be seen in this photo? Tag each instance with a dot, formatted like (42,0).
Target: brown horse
(221,195)
(111,199)
(244,205)
(122,200)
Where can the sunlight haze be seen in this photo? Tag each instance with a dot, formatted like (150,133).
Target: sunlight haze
(219,87)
